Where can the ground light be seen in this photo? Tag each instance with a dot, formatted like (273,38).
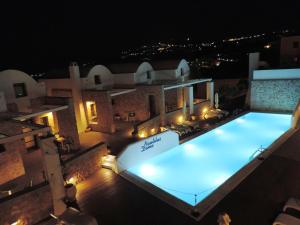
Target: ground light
(142,134)
(180,119)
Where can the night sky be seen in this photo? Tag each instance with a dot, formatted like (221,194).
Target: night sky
(38,36)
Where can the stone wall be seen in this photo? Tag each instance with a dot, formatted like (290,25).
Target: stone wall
(30,205)
(104,111)
(84,164)
(137,102)
(275,95)
(171,99)
(11,163)
(67,124)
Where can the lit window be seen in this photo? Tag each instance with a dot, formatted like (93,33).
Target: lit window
(20,90)
(295,44)
(97,79)
(92,112)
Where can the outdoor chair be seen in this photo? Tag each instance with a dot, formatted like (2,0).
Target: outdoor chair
(285,219)
(292,203)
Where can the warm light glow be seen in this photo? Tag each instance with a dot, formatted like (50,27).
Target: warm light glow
(204,110)
(142,134)
(180,119)
(152,131)
(91,112)
(163,129)
(72,180)
(267,46)
(148,170)
(88,103)
(18,222)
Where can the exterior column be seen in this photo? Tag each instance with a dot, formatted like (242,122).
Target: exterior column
(162,107)
(190,100)
(77,97)
(53,172)
(184,94)
(210,92)
(179,98)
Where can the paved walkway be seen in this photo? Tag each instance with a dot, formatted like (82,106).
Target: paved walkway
(257,200)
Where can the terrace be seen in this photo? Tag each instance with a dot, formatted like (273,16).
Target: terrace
(263,192)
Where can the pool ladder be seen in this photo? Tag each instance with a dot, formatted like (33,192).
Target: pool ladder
(260,150)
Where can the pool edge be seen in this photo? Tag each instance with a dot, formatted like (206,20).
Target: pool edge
(203,207)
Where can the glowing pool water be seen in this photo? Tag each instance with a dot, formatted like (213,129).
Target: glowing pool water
(199,166)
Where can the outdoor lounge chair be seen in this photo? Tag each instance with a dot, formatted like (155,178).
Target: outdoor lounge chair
(292,203)
(285,219)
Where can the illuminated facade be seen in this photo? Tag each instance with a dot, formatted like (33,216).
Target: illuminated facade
(131,92)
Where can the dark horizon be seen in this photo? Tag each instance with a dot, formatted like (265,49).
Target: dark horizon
(40,36)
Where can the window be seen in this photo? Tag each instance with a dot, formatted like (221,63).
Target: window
(2,148)
(296,44)
(20,90)
(91,112)
(181,72)
(97,79)
(148,75)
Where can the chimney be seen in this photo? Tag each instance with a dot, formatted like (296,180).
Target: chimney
(74,71)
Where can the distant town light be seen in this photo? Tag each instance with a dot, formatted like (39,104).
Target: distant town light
(267,46)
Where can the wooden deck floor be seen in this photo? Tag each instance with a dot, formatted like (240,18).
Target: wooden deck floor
(257,200)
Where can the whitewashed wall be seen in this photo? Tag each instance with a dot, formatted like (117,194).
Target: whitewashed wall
(147,148)
(107,79)
(34,90)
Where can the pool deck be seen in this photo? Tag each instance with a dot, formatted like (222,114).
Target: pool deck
(258,199)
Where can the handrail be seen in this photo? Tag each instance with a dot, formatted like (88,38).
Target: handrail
(260,149)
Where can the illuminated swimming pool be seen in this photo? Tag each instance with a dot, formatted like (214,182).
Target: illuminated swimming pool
(191,171)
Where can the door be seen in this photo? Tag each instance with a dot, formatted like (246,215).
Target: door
(152,108)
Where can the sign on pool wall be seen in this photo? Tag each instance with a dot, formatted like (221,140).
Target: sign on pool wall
(147,148)
(150,143)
